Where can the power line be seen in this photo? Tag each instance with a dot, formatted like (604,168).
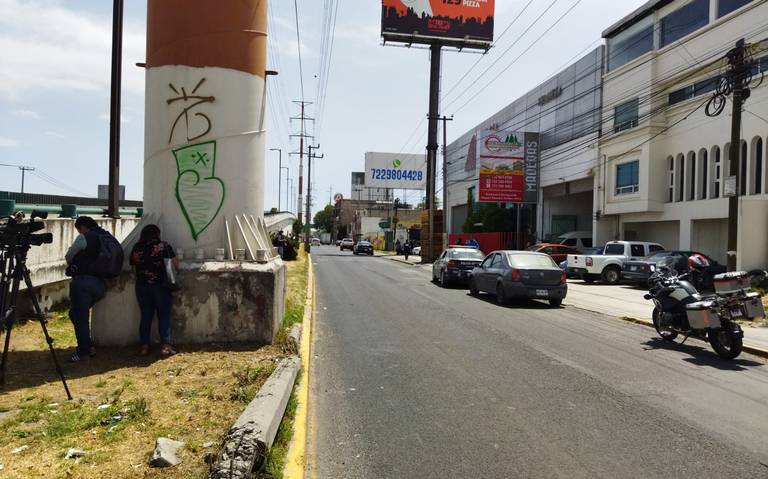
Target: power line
(298,45)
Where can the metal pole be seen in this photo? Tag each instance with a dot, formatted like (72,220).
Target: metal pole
(445,175)
(738,72)
(113,202)
(279,175)
(432,145)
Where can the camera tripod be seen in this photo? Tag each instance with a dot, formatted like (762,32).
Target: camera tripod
(13,270)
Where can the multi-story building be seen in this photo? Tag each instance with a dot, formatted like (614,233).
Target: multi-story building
(664,164)
(565,111)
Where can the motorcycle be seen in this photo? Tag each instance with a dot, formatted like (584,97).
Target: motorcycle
(681,309)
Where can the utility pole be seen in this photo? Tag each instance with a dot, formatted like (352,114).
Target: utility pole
(445,121)
(24,169)
(113,202)
(302,134)
(310,157)
(428,254)
(738,78)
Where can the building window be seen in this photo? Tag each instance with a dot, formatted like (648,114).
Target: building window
(626,115)
(692,176)
(691,91)
(703,161)
(671,179)
(628,177)
(683,21)
(631,43)
(759,166)
(743,170)
(716,183)
(680,177)
(725,7)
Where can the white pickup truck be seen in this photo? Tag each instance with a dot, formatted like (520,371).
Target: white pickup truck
(608,266)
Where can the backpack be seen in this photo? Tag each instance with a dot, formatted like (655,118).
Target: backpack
(109,262)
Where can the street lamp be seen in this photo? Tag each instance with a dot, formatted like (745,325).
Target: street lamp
(286,186)
(279,175)
(290,191)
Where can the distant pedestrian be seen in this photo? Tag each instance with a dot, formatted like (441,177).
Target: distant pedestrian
(406,249)
(398,247)
(279,242)
(148,257)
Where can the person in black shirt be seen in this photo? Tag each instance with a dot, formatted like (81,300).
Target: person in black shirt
(148,257)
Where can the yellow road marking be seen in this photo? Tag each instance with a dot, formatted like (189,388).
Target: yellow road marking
(296,462)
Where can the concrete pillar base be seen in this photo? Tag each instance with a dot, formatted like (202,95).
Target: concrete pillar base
(217,302)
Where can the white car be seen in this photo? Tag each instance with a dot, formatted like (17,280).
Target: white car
(315,242)
(416,251)
(608,266)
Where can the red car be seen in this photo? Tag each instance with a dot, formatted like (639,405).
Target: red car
(558,252)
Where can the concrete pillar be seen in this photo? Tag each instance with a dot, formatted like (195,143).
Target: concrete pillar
(686,226)
(204,137)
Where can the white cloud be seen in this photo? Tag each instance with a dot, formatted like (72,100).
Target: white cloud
(8,142)
(49,47)
(27,114)
(56,135)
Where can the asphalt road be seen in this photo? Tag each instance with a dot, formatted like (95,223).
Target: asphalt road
(410,380)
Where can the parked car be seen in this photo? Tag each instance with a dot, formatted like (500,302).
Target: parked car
(580,240)
(642,269)
(558,252)
(455,265)
(363,247)
(346,243)
(416,251)
(608,266)
(315,242)
(519,274)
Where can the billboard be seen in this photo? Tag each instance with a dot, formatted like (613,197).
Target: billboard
(392,170)
(509,167)
(458,22)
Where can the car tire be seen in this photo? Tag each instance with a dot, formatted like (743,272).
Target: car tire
(443,281)
(555,303)
(473,291)
(501,295)
(611,275)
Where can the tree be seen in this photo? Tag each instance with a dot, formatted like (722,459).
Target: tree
(324,219)
(491,217)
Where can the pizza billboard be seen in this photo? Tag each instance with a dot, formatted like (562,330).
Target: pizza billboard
(392,170)
(509,167)
(467,23)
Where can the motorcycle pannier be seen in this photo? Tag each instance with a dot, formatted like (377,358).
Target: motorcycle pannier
(733,282)
(753,306)
(700,316)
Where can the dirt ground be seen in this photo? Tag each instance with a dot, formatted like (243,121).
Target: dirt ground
(123,402)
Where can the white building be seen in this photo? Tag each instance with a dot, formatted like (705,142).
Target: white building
(663,162)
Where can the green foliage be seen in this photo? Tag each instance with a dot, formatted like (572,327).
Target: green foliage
(324,219)
(492,217)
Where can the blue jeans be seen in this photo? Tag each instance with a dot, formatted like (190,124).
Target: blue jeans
(154,298)
(84,292)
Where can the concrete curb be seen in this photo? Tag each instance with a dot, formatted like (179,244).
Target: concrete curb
(250,437)
(402,261)
(748,349)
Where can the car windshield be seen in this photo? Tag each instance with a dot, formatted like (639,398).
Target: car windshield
(530,260)
(465,254)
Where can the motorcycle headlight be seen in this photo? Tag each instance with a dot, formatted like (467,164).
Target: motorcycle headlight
(653,268)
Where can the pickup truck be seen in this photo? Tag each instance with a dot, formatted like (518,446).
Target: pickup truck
(608,266)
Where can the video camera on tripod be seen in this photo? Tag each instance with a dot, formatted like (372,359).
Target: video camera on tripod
(17,236)
(16,232)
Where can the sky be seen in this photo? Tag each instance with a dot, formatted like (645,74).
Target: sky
(55,86)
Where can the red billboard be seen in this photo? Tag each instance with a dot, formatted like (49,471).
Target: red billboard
(460,22)
(509,167)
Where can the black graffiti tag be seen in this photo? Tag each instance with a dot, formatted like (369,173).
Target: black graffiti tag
(190,101)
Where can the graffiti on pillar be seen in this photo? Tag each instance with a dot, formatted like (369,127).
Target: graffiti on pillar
(199,192)
(201,123)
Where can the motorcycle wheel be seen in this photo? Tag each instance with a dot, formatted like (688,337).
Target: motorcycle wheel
(726,344)
(666,333)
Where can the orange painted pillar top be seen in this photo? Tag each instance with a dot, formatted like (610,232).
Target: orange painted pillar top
(201,33)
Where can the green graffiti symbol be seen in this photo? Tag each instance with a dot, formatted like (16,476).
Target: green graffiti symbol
(397,163)
(199,192)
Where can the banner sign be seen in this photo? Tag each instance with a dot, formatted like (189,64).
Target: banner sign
(509,167)
(462,22)
(391,170)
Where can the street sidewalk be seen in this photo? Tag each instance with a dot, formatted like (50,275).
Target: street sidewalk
(626,301)
(412,259)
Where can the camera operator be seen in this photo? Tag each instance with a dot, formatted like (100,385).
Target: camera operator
(87,286)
